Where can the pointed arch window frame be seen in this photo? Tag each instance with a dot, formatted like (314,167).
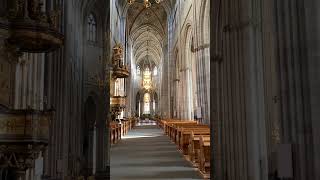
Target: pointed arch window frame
(155,71)
(92,28)
(146,103)
(138,70)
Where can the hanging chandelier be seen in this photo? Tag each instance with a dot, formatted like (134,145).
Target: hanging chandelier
(147,3)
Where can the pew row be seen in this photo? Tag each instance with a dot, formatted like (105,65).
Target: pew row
(192,140)
(117,130)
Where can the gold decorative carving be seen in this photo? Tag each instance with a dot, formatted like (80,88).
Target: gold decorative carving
(18,157)
(30,125)
(16,9)
(31,29)
(23,135)
(54,18)
(117,103)
(34,9)
(120,70)
(36,39)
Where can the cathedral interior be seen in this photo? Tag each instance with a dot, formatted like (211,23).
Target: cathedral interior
(159,89)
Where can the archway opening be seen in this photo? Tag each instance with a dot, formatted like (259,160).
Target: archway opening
(89,140)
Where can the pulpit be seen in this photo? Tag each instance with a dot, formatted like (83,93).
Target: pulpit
(23,135)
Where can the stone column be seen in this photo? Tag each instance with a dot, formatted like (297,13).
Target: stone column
(103,140)
(312,20)
(165,85)
(188,94)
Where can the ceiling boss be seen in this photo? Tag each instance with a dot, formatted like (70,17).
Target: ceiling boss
(147,3)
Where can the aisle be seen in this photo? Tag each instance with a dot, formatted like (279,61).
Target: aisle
(146,153)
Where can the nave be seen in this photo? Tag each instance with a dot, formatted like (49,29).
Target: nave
(75,75)
(147,153)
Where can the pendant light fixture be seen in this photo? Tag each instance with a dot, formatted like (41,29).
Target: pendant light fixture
(147,3)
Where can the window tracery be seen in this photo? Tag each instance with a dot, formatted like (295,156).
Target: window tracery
(155,71)
(92,28)
(138,70)
(146,100)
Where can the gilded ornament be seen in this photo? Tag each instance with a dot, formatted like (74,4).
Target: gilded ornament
(53,18)
(29,133)
(32,30)
(16,10)
(120,70)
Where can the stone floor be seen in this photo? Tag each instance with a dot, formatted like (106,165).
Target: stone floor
(147,154)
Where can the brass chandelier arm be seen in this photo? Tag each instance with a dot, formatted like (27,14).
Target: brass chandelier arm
(147,3)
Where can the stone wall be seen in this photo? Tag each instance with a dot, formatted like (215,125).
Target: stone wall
(189,43)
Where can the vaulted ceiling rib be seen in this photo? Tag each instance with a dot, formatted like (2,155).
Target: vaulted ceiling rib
(147,29)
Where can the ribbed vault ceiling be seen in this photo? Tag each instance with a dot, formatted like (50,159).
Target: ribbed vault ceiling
(147,28)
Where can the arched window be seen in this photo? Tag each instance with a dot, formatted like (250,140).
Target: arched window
(146,101)
(92,28)
(138,70)
(155,71)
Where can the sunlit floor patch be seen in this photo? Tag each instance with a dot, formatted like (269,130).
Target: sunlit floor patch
(139,136)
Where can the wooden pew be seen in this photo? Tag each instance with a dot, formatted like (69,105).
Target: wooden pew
(169,126)
(194,148)
(204,156)
(192,139)
(125,127)
(162,122)
(177,127)
(176,134)
(128,124)
(118,130)
(186,136)
(115,132)
(133,122)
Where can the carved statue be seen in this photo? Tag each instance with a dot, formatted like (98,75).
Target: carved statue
(16,9)
(54,18)
(117,54)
